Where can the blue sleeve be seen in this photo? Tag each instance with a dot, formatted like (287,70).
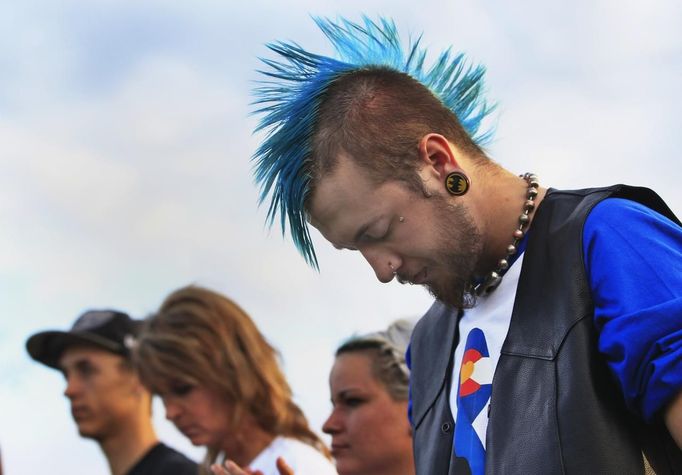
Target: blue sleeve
(633,258)
(408,361)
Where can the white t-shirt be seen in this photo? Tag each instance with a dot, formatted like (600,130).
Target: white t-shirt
(304,459)
(492,315)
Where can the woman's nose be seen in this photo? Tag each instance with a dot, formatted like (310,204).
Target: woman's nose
(333,424)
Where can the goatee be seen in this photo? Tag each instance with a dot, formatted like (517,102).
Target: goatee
(461,244)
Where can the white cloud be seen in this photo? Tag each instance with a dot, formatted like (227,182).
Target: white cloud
(125,143)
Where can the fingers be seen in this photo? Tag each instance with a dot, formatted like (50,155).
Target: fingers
(231,468)
(283,468)
(217,469)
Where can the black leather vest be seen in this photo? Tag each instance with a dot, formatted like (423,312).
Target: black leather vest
(555,408)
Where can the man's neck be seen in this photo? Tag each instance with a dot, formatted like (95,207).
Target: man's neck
(127,447)
(504,195)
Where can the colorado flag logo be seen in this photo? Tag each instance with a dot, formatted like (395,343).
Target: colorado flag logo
(473,395)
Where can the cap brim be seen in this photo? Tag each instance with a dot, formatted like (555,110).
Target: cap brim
(47,347)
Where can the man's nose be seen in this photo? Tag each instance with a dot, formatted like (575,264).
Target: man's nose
(385,264)
(72,387)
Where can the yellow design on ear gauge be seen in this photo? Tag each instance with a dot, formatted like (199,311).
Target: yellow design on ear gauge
(457,183)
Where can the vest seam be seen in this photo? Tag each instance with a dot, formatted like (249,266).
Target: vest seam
(557,420)
(558,350)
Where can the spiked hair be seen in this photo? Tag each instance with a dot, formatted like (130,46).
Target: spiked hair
(291,96)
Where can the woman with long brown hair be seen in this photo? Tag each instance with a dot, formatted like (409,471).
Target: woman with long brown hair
(222,386)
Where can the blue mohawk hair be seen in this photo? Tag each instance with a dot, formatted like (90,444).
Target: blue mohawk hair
(290,98)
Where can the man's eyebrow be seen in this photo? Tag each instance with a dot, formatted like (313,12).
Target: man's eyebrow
(358,234)
(82,363)
(78,364)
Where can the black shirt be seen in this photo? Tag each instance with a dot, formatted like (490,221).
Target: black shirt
(162,460)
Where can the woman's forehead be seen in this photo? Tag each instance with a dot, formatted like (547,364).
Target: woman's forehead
(353,364)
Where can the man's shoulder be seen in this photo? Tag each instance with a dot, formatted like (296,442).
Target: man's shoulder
(627,198)
(162,459)
(617,211)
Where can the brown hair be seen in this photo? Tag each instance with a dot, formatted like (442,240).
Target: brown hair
(377,116)
(202,338)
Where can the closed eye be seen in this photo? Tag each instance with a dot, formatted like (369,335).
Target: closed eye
(368,239)
(180,389)
(344,400)
(379,233)
(353,401)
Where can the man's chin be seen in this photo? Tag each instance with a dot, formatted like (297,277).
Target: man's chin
(459,300)
(89,432)
(89,435)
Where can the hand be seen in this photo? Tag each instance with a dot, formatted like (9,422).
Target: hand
(283,468)
(231,468)
(673,418)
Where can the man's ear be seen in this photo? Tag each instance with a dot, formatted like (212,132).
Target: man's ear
(437,155)
(139,389)
(132,378)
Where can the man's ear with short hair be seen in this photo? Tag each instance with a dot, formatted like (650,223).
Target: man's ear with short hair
(437,158)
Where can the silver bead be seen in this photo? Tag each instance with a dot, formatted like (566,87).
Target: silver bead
(492,282)
(495,277)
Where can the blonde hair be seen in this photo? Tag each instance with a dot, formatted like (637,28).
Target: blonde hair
(387,351)
(202,338)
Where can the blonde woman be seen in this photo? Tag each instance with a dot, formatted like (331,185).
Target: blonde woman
(370,431)
(222,386)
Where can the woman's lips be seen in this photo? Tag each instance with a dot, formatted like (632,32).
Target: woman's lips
(339,449)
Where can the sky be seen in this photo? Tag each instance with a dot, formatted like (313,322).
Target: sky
(125,145)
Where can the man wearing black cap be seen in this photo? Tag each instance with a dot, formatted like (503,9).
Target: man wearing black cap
(108,402)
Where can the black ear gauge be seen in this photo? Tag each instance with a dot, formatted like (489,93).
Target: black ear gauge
(457,183)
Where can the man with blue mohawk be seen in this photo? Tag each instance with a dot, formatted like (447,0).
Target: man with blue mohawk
(543,289)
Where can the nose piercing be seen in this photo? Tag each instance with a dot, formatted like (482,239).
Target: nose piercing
(401,219)
(390,264)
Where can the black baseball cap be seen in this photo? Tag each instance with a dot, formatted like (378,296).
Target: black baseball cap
(110,330)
